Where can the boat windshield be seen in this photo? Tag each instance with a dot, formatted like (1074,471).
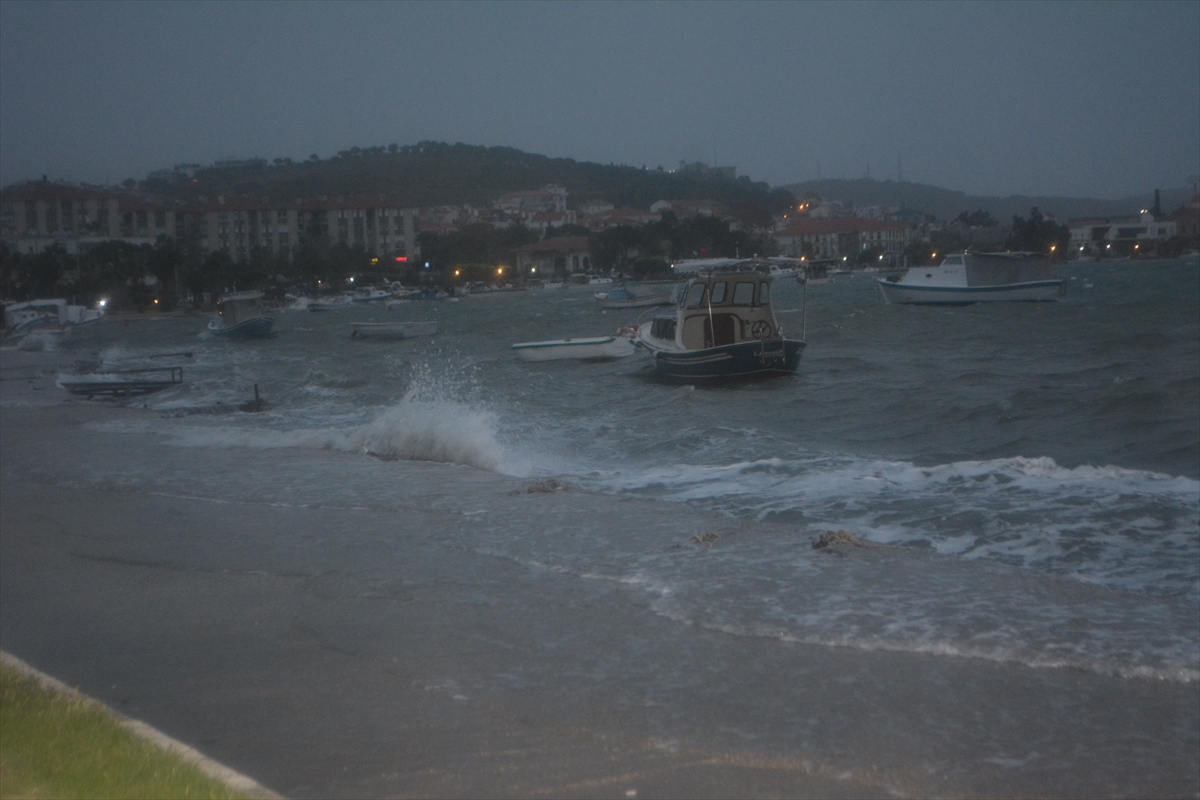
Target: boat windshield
(743,294)
(764,294)
(717,294)
(695,295)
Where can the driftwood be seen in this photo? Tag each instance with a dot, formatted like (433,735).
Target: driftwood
(543,487)
(833,541)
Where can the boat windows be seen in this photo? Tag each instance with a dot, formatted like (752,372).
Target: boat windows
(764,294)
(743,294)
(695,295)
(717,294)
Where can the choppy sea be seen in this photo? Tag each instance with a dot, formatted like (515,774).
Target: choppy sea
(1058,442)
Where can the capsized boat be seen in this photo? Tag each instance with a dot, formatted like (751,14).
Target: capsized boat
(48,317)
(240,314)
(392,330)
(723,327)
(964,278)
(621,297)
(601,348)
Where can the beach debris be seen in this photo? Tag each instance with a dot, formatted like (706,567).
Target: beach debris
(832,541)
(547,486)
(705,539)
(382,456)
(255,405)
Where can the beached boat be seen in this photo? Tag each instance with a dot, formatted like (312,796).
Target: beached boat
(723,327)
(974,278)
(621,297)
(55,318)
(240,314)
(601,348)
(392,330)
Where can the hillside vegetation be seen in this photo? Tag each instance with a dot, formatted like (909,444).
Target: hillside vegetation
(436,173)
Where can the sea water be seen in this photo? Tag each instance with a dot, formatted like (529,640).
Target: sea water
(1042,458)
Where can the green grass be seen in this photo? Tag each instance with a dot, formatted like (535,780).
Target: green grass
(54,745)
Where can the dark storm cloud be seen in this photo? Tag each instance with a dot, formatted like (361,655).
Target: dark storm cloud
(1093,99)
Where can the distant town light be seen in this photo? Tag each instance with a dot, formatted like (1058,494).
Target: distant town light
(102,302)
(401,259)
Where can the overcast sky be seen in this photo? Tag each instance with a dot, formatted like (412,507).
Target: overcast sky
(1087,99)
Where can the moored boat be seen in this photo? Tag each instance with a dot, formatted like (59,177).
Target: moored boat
(240,314)
(964,278)
(56,318)
(621,297)
(601,348)
(723,327)
(392,330)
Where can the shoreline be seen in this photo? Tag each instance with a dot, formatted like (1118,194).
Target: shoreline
(340,648)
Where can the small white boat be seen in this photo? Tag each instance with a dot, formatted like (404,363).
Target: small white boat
(781,267)
(596,280)
(240,314)
(391,330)
(601,348)
(369,294)
(325,303)
(620,297)
(974,278)
(55,318)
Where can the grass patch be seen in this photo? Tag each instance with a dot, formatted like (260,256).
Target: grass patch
(55,745)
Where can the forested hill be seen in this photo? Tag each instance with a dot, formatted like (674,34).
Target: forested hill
(436,173)
(947,204)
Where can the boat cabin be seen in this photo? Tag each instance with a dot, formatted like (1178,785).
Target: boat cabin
(721,308)
(237,307)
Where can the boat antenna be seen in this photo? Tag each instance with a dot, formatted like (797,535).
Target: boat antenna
(804,309)
(712,330)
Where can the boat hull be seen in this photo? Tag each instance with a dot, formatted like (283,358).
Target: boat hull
(599,349)
(741,360)
(255,327)
(391,330)
(604,301)
(1032,292)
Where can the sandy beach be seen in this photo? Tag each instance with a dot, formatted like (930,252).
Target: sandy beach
(329,649)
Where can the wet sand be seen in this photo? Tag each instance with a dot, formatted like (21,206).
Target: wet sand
(348,651)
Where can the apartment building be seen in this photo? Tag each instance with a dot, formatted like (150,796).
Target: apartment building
(37,215)
(847,236)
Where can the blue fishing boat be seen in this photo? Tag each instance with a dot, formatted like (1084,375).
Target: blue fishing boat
(723,327)
(240,314)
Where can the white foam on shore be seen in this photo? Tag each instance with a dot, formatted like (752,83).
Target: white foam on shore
(425,425)
(1106,525)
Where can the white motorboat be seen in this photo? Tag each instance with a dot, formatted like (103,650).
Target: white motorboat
(240,314)
(596,280)
(601,348)
(369,294)
(781,267)
(974,278)
(392,330)
(55,318)
(723,328)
